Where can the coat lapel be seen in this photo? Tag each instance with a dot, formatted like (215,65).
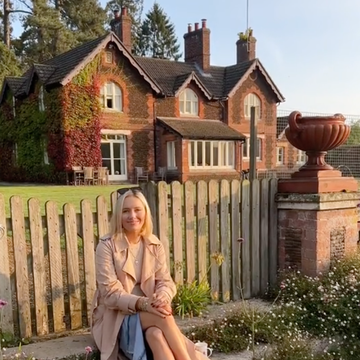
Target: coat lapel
(122,249)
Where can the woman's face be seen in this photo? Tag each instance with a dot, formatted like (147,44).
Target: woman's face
(133,215)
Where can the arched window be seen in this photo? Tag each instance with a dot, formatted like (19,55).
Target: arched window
(111,96)
(189,103)
(252,100)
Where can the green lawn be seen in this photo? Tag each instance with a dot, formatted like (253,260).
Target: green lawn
(59,194)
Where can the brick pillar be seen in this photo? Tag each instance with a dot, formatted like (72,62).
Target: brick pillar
(314,229)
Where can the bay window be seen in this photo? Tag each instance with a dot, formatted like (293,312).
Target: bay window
(211,154)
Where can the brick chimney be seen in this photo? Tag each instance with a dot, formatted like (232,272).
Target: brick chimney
(246,47)
(197,45)
(121,26)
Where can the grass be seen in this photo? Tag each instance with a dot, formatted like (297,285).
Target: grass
(60,194)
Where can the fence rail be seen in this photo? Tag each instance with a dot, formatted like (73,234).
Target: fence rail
(47,268)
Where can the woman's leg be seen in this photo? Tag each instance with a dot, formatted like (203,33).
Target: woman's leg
(171,333)
(158,344)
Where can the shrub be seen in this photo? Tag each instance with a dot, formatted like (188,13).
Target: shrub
(191,298)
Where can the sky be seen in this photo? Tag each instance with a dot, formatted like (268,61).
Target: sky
(310,48)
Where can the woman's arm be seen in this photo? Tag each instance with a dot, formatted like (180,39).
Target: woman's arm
(163,281)
(110,288)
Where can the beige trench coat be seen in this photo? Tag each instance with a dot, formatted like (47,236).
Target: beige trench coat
(115,276)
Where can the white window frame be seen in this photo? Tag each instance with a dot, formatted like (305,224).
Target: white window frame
(171,155)
(249,101)
(46,155)
(41,99)
(300,157)
(108,57)
(246,148)
(225,161)
(116,94)
(189,98)
(280,155)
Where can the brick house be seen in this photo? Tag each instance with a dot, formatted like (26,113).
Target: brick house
(190,117)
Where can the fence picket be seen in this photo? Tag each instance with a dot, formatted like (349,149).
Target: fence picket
(214,235)
(102,216)
(224,240)
(190,231)
(264,235)
(89,254)
(235,244)
(56,278)
(21,266)
(255,236)
(38,267)
(164,218)
(72,259)
(5,284)
(177,232)
(273,239)
(201,202)
(245,234)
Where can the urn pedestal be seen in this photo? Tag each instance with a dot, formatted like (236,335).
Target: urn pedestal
(316,135)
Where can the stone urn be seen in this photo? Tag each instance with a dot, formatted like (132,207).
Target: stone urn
(316,135)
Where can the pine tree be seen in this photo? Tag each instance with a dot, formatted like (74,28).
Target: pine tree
(9,65)
(44,35)
(85,18)
(158,38)
(135,9)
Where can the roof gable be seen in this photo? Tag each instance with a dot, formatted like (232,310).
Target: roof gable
(252,65)
(183,81)
(13,83)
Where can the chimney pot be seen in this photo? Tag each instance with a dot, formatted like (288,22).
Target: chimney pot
(196,26)
(189,28)
(203,23)
(123,11)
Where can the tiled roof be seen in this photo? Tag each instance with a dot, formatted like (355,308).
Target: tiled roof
(67,61)
(234,73)
(200,129)
(14,83)
(44,71)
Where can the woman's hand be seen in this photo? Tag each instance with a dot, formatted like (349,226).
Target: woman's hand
(143,304)
(160,300)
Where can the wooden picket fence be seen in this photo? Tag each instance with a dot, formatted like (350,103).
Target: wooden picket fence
(47,268)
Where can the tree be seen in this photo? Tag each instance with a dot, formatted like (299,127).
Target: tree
(85,18)
(135,10)
(44,35)
(9,65)
(158,38)
(354,138)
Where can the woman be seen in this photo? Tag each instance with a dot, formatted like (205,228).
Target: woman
(132,306)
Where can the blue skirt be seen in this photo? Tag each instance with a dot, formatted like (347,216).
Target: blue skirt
(131,338)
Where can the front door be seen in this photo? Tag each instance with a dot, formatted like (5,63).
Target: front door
(113,152)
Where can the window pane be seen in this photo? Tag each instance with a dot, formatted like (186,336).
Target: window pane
(181,107)
(223,153)
(208,153)
(191,153)
(122,151)
(116,150)
(109,103)
(215,153)
(118,105)
(258,148)
(117,90)
(231,153)
(105,151)
(107,163)
(199,153)
(245,148)
(109,89)
(188,107)
(195,108)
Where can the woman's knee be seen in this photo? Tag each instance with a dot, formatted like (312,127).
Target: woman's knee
(153,333)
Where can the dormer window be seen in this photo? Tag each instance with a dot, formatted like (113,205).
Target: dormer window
(252,100)
(108,57)
(189,103)
(111,97)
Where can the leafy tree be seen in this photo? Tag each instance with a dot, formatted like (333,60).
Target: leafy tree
(135,10)
(354,138)
(9,65)
(158,38)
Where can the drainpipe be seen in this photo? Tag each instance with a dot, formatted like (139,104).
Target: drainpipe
(154,140)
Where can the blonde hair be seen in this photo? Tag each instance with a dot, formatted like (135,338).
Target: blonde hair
(116,228)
